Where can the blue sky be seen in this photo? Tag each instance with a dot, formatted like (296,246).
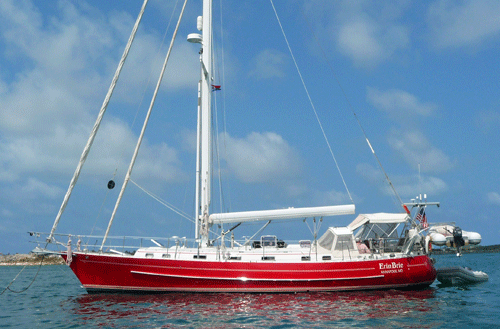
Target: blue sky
(421,76)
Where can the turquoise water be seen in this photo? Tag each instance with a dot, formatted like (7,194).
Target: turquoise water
(56,300)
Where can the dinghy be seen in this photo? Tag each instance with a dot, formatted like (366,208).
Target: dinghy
(458,275)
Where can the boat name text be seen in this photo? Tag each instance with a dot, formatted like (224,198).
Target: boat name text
(391,267)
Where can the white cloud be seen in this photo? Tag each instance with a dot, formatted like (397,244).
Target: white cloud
(36,187)
(295,189)
(411,144)
(370,173)
(266,158)
(56,155)
(261,157)
(33,105)
(416,149)
(357,39)
(331,197)
(369,42)
(144,65)
(407,186)
(59,68)
(188,140)
(67,62)
(463,23)
(52,67)
(493,198)
(399,103)
(5,214)
(269,63)
(160,163)
(366,32)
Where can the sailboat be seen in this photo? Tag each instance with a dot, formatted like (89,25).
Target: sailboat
(388,251)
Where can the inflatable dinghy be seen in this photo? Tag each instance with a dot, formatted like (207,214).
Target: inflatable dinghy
(458,275)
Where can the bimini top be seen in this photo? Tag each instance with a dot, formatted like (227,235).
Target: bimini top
(378,218)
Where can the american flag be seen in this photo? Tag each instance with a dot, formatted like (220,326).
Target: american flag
(422,218)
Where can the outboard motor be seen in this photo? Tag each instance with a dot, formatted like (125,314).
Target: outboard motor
(458,239)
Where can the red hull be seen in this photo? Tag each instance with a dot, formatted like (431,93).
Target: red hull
(116,273)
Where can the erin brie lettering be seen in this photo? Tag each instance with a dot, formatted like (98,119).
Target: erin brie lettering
(391,267)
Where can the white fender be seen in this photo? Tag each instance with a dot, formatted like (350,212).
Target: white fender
(438,239)
(474,237)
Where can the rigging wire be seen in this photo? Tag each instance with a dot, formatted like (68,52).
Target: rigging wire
(217,127)
(223,90)
(139,105)
(136,113)
(102,206)
(221,69)
(163,202)
(215,133)
(97,124)
(217,150)
(136,151)
(216,137)
(310,101)
(148,83)
(353,112)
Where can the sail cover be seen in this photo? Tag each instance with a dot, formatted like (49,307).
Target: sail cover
(289,213)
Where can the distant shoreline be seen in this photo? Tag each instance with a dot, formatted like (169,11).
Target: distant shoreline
(29,260)
(467,250)
(33,259)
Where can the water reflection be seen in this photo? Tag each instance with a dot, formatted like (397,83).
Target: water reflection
(345,309)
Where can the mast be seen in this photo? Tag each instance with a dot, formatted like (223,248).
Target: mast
(206,116)
(203,218)
(204,132)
